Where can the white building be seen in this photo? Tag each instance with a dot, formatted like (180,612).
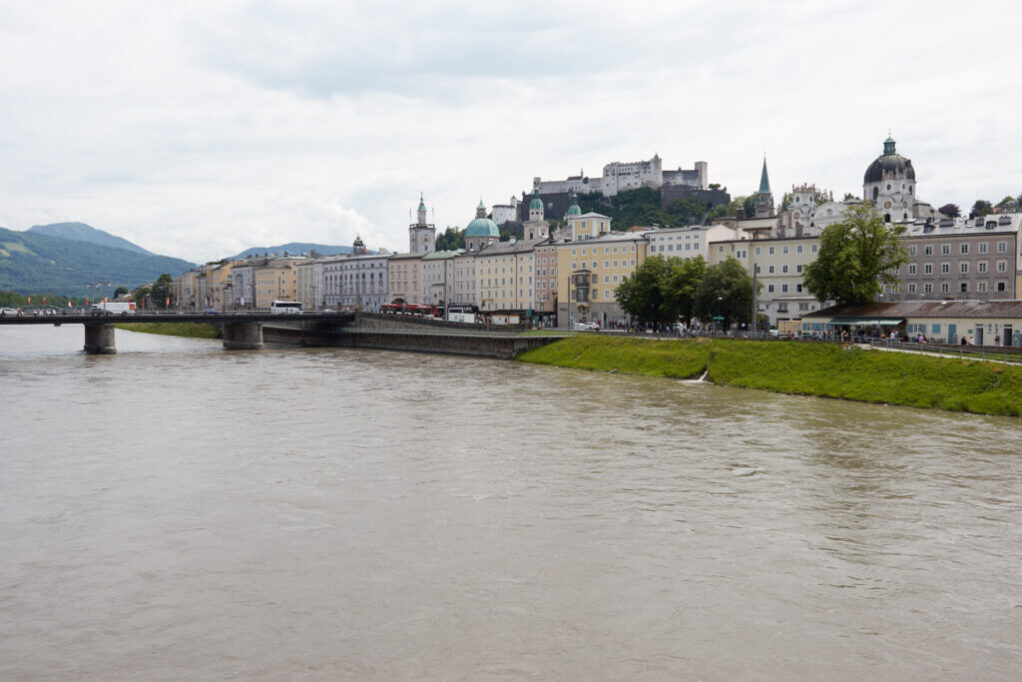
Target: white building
(687,242)
(359,282)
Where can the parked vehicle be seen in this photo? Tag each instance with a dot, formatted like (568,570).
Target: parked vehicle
(587,327)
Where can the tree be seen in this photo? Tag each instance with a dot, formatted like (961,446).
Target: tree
(120,291)
(162,290)
(680,287)
(642,294)
(857,257)
(1005,201)
(981,208)
(725,290)
(452,239)
(749,206)
(950,210)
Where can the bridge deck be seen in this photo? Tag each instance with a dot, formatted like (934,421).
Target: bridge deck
(209,318)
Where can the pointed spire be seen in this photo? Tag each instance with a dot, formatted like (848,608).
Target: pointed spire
(764,180)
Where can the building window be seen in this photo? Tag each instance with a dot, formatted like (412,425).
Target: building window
(1002,266)
(1000,286)
(982,247)
(1002,247)
(911,288)
(981,266)
(928,250)
(944,287)
(981,287)
(963,267)
(964,247)
(927,268)
(927,288)
(911,268)
(945,249)
(912,250)
(945,268)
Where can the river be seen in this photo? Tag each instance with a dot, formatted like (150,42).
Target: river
(181,512)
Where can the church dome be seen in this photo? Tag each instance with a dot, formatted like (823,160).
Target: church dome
(482,227)
(889,162)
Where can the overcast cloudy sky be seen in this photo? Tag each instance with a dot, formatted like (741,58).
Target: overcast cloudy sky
(196,129)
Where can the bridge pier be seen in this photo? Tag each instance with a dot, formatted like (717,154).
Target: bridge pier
(243,335)
(99,339)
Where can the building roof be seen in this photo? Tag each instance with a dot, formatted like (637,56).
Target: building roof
(905,309)
(889,162)
(509,247)
(764,180)
(958,227)
(482,227)
(442,255)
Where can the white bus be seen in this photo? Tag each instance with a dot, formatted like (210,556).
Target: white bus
(286,308)
(114,307)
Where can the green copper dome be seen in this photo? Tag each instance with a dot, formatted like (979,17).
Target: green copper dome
(574,208)
(482,227)
(537,203)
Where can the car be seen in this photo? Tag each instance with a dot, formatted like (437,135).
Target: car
(210,311)
(587,327)
(9,312)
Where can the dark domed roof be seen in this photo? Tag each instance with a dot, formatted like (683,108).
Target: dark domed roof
(889,162)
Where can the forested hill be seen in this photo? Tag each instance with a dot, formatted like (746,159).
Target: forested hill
(80,232)
(643,207)
(35,263)
(292,249)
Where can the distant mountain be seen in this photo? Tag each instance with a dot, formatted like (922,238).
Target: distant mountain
(31,262)
(292,249)
(80,232)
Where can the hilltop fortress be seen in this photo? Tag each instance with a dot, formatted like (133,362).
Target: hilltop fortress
(618,177)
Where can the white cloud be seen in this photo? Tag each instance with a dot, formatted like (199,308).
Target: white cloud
(199,129)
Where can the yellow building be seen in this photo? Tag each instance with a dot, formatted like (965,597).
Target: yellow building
(588,273)
(505,275)
(276,280)
(218,285)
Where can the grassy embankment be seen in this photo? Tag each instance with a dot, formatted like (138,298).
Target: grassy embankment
(827,370)
(194,330)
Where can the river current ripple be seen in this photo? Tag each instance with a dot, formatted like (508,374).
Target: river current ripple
(180,512)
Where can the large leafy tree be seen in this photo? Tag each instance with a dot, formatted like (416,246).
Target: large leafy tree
(725,290)
(162,290)
(662,289)
(950,210)
(857,257)
(981,208)
(641,295)
(680,287)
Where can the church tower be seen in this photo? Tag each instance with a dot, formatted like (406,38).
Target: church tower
(536,227)
(421,235)
(764,198)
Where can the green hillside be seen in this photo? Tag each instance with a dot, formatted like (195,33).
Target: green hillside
(642,207)
(80,232)
(36,263)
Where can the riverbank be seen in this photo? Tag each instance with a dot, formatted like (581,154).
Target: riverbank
(194,330)
(818,369)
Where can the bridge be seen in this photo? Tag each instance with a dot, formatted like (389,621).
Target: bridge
(241,330)
(247,330)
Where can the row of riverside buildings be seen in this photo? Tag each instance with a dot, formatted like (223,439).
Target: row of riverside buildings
(569,275)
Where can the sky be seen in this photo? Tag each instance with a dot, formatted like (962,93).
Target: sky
(198,129)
